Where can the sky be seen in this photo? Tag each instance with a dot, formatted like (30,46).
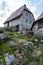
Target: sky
(9,6)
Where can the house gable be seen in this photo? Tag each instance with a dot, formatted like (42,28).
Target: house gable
(37,25)
(17,13)
(27,18)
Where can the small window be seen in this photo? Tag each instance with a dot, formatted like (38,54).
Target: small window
(33,19)
(27,14)
(30,22)
(34,27)
(26,20)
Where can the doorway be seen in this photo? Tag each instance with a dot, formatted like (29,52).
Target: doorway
(17,28)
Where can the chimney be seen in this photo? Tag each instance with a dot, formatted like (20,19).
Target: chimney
(24,5)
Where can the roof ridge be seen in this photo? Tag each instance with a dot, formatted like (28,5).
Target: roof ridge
(17,13)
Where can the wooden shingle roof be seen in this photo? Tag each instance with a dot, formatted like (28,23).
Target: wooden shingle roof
(17,13)
(37,20)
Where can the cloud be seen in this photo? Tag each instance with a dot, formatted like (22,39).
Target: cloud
(33,10)
(1,11)
(36,7)
(14,4)
(3,5)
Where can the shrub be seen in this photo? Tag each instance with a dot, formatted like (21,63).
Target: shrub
(1,31)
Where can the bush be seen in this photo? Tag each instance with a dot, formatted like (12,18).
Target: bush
(1,31)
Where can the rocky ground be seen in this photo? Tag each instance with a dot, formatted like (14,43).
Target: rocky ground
(19,49)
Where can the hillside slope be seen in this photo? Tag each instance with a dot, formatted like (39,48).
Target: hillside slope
(19,49)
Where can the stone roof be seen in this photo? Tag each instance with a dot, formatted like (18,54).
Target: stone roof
(17,13)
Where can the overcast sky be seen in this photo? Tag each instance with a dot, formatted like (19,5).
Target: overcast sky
(8,6)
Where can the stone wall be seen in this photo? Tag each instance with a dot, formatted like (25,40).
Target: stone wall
(25,21)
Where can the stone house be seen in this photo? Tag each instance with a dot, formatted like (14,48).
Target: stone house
(38,25)
(21,19)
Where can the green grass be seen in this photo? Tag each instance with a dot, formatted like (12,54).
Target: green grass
(4,47)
